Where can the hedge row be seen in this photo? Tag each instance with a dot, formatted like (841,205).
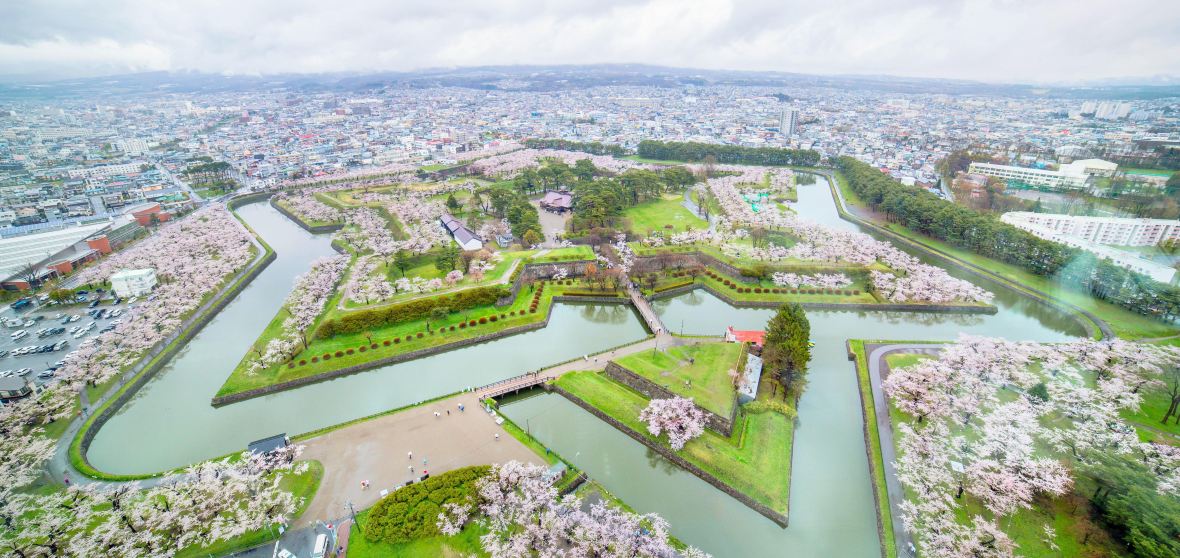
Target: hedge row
(376,318)
(411,512)
(777,290)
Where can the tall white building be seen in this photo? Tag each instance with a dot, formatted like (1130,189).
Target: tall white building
(788,121)
(1064,179)
(1110,231)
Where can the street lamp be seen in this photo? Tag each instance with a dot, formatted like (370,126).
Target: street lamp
(352,511)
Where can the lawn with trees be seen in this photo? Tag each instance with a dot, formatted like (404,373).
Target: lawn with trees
(702,372)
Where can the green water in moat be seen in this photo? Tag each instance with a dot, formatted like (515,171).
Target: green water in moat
(170,422)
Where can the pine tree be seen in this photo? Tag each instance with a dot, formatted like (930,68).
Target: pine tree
(786,352)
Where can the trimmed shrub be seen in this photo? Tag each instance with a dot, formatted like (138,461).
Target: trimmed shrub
(315,359)
(420,335)
(411,512)
(376,318)
(302,362)
(463,325)
(452,328)
(397,339)
(349,351)
(364,348)
(493,319)
(373,346)
(327,356)
(339,353)
(532,310)
(386,342)
(483,320)
(290,365)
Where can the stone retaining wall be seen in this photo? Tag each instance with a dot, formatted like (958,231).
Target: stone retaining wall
(667,453)
(399,358)
(161,358)
(533,271)
(652,390)
(874,307)
(319,229)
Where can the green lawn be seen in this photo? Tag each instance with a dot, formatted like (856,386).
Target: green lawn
(876,466)
(756,460)
(303,486)
(709,384)
(1126,324)
(1152,409)
(667,214)
(405,333)
(566,254)
(466,543)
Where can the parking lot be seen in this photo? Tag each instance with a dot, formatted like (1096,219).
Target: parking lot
(52,331)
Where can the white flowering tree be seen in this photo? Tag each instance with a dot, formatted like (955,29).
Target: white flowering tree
(519,507)
(679,417)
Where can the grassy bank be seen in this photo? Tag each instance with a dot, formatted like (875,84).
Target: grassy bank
(697,371)
(873,439)
(756,460)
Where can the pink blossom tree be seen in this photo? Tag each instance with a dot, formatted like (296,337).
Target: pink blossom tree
(679,417)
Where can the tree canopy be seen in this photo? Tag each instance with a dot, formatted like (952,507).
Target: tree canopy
(786,349)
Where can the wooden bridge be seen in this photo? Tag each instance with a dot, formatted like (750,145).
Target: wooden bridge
(511,385)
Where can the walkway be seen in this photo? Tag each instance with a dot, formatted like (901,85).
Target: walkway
(654,324)
(696,210)
(877,364)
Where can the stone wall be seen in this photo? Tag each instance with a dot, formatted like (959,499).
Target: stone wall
(667,453)
(652,390)
(534,271)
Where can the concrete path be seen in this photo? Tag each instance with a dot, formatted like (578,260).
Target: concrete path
(878,371)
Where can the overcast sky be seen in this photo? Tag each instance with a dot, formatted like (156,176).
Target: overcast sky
(1031,41)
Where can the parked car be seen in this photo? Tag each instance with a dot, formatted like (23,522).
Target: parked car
(75,317)
(19,334)
(3,353)
(45,375)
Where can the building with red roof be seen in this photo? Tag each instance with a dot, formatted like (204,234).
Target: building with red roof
(751,336)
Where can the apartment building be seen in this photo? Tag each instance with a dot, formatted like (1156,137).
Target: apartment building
(1066,180)
(1109,231)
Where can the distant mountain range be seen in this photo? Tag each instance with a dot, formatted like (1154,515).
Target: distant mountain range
(554,78)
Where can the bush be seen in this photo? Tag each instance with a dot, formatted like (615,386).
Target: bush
(349,351)
(315,359)
(411,512)
(302,362)
(420,335)
(364,348)
(452,328)
(339,353)
(327,356)
(386,342)
(397,340)
(376,318)
(493,319)
(290,365)
(463,325)
(483,320)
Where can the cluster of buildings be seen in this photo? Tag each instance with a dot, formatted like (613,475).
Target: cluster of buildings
(72,164)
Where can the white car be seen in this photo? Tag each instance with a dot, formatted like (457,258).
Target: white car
(19,334)
(75,317)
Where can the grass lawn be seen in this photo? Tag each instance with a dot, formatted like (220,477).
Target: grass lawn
(403,338)
(303,486)
(756,460)
(876,464)
(1126,324)
(566,254)
(466,543)
(708,375)
(1152,409)
(667,214)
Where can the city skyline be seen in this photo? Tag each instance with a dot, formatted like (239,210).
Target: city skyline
(997,42)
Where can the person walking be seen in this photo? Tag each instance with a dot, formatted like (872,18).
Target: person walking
(411,469)
(410,455)
(497,439)
(424,462)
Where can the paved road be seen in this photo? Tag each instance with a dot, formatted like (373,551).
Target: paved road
(879,370)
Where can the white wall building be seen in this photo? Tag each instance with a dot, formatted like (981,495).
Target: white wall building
(1092,167)
(1111,231)
(1129,260)
(133,282)
(1035,177)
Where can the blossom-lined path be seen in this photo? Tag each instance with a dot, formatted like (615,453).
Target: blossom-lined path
(877,365)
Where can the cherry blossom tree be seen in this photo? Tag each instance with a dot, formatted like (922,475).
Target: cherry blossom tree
(518,505)
(679,417)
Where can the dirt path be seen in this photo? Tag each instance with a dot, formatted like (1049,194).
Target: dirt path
(377,451)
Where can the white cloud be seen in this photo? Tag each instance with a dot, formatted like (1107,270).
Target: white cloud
(998,40)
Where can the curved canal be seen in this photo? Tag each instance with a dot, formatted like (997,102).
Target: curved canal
(170,422)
